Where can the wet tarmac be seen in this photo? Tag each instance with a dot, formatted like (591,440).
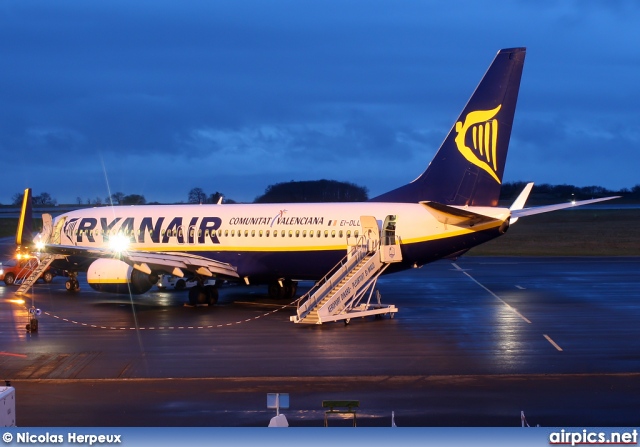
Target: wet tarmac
(475,342)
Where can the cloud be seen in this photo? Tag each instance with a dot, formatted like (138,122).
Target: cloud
(282,90)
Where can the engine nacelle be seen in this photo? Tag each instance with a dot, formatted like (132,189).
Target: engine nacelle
(115,276)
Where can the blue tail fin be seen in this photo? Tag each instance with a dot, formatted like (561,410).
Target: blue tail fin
(468,167)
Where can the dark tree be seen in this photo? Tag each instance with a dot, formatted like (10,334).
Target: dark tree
(44,199)
(16,199)
(197,195)
(116,198)
(313,191)
(134,199)
(215,198)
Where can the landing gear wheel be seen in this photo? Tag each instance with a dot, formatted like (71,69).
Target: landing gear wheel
(72,285)
(290,289)
(47,277)
(9,279)
(347,321)
(194,295)
(203,296)
(211,293)
(275,291)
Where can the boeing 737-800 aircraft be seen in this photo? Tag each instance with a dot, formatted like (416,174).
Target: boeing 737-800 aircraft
(450,208)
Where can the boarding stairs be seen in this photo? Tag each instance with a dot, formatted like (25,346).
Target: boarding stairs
(44,261)
(30,274)
(340,295)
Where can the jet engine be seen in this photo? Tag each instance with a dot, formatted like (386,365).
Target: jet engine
(115,276)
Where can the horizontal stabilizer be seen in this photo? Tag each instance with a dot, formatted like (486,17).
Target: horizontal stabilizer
(559,206)
(452,215)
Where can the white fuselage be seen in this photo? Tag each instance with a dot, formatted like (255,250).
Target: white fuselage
(247,235)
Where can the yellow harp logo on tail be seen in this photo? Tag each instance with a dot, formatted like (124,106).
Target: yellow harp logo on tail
(484,139)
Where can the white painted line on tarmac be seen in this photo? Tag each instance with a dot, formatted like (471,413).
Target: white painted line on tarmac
(555,345)
(520,287)
(494,295)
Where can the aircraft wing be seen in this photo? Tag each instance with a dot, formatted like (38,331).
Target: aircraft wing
(174,263)
(560,206)
(516,213)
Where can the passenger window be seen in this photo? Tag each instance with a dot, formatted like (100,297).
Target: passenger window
(290,233)
(304,233)
(260,233)
(206,233)
(333,233)
(348,233)
(311,233)
(326,233)
(297,233)
(267,234)
(253,233)
(340,234)
(355,233)
(282,233)
(275,233)
(226,233)
(246,233)
(319,233)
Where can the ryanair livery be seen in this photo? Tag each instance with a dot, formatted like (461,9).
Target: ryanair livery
(450,208)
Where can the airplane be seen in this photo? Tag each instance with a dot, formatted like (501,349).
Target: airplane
(449,209)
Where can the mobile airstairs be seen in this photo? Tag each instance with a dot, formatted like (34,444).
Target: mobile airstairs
(32,275)
(44,260)
(340,295)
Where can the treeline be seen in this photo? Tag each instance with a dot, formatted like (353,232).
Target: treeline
(197,195)
(313,191)
(545,191)
(41,199)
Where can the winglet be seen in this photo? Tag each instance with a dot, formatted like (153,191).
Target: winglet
(518,204)
(24,234)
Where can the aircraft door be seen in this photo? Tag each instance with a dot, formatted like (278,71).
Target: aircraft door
(370,231)
(389,230)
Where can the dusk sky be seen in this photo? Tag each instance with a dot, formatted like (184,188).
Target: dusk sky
(157,97)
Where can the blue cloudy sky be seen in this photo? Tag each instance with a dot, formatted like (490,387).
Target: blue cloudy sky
(157,97)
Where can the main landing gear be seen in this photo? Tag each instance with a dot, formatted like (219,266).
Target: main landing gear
(72,284)
(285,289)
(201,295)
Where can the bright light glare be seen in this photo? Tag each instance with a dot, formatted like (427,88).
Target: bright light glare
(39,245)
(119,243)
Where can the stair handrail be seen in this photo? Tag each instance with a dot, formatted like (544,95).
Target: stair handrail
(26,271)
(357,252)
